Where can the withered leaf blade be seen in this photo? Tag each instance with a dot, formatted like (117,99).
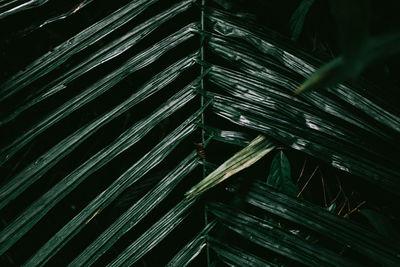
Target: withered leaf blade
(243,159)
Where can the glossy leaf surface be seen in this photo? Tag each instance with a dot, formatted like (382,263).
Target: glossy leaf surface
(280,175)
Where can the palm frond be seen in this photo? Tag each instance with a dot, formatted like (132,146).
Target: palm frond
(137,212)
(104,133)
(272,238)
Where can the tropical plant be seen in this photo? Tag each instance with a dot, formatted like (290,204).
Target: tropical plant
(154,133)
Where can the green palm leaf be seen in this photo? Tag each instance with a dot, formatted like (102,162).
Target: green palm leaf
(106,103)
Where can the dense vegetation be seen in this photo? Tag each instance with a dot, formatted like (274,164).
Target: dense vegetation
(111,113)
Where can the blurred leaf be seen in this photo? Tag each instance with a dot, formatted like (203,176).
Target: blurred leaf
(246,157)
(346,68)
(381,223)
(358,49)
(297,20)
(328,75)
(352,18)
(382,46)
(280,177)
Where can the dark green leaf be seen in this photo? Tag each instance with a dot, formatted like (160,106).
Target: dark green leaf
(13,7)
(155,234)
(358,49)
(99,57)
(134,173)
(276,239)
(311,124)
(382,224)
(234,256)
(67,49)
(352,22)
(280,176)
(46,161)
(318,219)
(136,212)
(126,43)
(133,64)
(297,20)
(192,249)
